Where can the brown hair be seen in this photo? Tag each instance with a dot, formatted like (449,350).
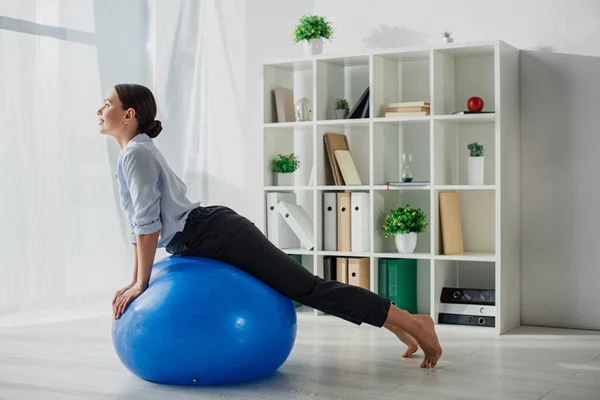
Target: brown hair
(141,99)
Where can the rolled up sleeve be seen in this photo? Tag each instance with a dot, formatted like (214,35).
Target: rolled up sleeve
(141,175)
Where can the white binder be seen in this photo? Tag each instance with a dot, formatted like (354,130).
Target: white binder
(468,309)
(330,221)
(299,221)
(359,217)
(278,231)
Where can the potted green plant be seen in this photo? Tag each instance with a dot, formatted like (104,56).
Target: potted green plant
(475,166)
(341,108)
(312,29)
(284,167)
(404,224)
(447,37)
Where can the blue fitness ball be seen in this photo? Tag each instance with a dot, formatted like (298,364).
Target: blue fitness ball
(204,322)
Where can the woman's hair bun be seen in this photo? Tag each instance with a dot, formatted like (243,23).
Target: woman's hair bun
(153,128)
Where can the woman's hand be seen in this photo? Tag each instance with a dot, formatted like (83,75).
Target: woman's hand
(125,298)
(121,291)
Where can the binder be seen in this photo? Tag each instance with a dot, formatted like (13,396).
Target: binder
(402,283)
(341,269)
(468,309)
(329,268)
(382,284)
(344,240)
(330,221)
(359,204)
(468,296)
(455,319)
(278,231)
(358,272)
(299,221)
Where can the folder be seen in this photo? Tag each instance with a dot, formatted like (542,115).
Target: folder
(359,205)
(330,221)
(347,167)
(333,142)
(358,272)
(301,224)
(341,273)
(343,222)
(278,231)
(450,223)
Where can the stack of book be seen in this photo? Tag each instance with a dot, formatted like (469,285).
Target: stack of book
(462,306)
(408,108)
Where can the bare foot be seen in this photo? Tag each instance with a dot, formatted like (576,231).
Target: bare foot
(409,341)
(428,340)
(421,328)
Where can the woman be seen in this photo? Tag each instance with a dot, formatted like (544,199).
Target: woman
(160,214)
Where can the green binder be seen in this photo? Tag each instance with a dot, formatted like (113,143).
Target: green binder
(402,283)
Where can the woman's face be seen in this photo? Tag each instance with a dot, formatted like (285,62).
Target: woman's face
(111,116)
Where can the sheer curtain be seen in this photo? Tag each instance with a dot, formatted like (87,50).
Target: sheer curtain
(64,244)
(197,67)
(63,247)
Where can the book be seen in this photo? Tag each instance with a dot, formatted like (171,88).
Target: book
(410,104)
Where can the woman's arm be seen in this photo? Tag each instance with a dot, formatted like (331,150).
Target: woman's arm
(146,251)
(135,263)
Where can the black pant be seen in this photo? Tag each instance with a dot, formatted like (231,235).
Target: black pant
(220,233)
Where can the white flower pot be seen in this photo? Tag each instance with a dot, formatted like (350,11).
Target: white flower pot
(314,47)
(475,171)
(448,40)
(406,242)
(284,179)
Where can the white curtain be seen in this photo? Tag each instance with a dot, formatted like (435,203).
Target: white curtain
(62,243)
(198,77)
(63,240)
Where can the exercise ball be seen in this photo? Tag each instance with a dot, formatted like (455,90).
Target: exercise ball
(204,322)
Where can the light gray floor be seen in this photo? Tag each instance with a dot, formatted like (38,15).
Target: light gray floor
(332,359)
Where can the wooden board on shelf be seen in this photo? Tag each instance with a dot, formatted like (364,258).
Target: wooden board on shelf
(450,223)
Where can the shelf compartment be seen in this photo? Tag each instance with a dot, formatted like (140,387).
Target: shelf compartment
(287,241)
(287,140)
(451,154)
(346,77)
(297,76)
(465,275)
(478,225)
(390,141)
(358,143)
(412,281)
(383,202)
(460,74)
(400,77)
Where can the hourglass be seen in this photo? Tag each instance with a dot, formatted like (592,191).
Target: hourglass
(407,174)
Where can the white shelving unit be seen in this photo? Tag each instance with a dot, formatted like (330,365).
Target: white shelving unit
(447,75)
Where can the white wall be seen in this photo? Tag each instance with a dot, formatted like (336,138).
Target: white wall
(560,270)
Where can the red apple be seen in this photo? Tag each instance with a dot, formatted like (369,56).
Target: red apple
(475,104)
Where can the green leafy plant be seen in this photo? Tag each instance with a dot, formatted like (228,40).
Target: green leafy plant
(446,35)
(476,149)
(404,220)
(341,104)
(285,163)
(312,27)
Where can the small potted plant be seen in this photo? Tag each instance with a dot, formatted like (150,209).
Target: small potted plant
(284,167)
(341,108)
(475,166)
(312,29)
(405,223)
(447,37)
